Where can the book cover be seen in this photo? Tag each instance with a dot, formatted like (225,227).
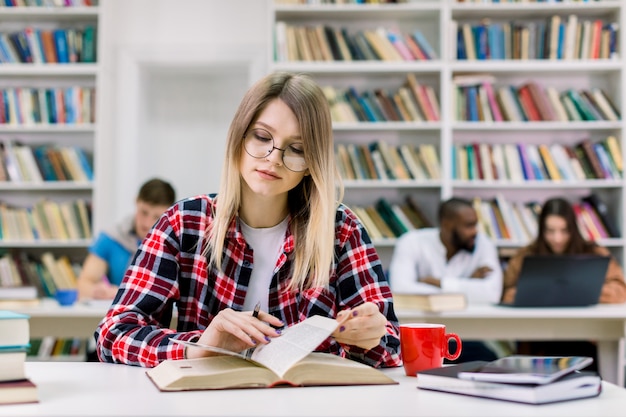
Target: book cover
(288,361)
(14,329)
(573,386)
(18,392)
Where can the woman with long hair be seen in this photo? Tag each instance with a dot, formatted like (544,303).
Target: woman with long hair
(275,234)
(558,234)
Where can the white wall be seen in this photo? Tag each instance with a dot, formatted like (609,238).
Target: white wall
(173,72)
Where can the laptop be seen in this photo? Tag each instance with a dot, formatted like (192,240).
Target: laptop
(560,280)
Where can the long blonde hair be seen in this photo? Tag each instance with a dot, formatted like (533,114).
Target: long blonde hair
(313,202)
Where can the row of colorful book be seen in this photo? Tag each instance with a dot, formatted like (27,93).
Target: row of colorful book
(29,106)
(23,163)
(411,102)
(479,100)
(48,3)
(327,43)
(51,348)
(558,38)
(382,161)
(24,280)
(528,162)
(339,1)
(46,220)
(501,219)
(41,46)
(15,387)
(387,220)
(526,1)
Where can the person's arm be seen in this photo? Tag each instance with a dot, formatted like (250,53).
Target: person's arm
(511,275)
(614,288)
(135,330)
(362,287)
(403,271)
(486,289)
(92,283)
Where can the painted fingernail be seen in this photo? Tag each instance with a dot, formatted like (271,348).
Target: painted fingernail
(355,313)
(278,331)
(342,328)
(253,341)
(267,338)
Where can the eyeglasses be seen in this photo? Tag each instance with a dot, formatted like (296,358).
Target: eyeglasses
(259,143)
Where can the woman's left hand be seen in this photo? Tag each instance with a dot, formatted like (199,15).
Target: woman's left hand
(362,326)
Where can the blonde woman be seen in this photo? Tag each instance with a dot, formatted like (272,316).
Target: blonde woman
(274,234)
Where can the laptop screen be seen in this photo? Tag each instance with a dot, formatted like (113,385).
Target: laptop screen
(561,280)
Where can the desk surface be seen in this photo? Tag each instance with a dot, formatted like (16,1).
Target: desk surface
(97,389)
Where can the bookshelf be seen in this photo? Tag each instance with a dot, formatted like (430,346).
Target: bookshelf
(70,124)
(439,21)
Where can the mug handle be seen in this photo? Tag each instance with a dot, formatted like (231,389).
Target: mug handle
(447,353)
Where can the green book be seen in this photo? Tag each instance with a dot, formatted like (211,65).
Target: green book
(89,44)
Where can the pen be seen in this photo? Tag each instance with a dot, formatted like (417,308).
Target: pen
(257,308)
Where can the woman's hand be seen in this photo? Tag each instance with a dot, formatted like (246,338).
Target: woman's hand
(362,326)
(236,331)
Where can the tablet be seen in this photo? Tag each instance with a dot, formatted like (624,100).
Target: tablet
(522,369)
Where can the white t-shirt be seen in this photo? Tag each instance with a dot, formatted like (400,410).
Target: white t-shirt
(267,244)
(421,253)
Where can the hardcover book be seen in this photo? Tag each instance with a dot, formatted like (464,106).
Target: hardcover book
(572,386)
(288,360)
(431,302)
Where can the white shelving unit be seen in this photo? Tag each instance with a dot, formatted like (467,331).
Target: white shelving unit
(435,20)
(49,75)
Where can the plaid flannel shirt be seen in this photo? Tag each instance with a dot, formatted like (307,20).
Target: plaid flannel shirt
(169,270)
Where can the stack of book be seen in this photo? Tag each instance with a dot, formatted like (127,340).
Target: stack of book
(15,387)
(518,378)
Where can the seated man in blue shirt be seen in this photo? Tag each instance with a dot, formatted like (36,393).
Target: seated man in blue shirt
(110,254)
(452,258)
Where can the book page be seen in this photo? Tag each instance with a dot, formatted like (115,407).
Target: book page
(294,344)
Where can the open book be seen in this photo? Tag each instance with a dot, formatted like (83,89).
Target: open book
(286,360)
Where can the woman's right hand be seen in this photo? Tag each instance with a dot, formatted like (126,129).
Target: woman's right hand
(236,331)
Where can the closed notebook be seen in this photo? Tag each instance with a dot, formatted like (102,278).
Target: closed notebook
(575,385)
(430,302)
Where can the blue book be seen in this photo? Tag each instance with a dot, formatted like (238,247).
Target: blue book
(561,42)
(85,162)
(461,51)
(454,156)
(41,157)
(493,41)
(60,43)
(472,103)
(70,110)
(482,43)
(424,45)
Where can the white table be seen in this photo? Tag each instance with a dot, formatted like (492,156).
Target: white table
(604,323)
(96,389)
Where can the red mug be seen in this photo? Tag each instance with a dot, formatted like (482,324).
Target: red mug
(425,345)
